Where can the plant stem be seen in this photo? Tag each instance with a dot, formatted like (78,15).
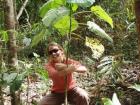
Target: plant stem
(28,83)
(1,97)
(83,24)
(82,12)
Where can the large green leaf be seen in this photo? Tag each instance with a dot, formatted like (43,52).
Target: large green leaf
(53,15)
(109,66)
(83,3)
(16,84)
(106,58)
(115,100)
(8,78)
(4,35)
(96,47)
(50,5)
(43,73)
(136,86)
(107,101)
(105,65)
(98,11)
(37,38)
(63,25)
(98,31)
(74,7)
(105,61)
(105,70)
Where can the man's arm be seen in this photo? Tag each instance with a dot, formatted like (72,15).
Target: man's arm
(63,69)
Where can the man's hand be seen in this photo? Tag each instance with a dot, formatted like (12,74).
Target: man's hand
(64,69)
(60,66)
(71,68)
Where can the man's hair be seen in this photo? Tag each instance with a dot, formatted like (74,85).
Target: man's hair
(54,44)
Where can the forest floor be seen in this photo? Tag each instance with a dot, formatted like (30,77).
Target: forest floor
(32,92)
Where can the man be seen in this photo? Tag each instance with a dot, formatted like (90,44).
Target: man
(58,68)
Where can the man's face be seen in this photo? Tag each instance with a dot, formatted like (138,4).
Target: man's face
(55,53)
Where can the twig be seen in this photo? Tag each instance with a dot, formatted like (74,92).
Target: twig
(28,83)
(21,9)
(1,96)
(27,17)
(82,12)
(67,55)
(77,36)
(82,24)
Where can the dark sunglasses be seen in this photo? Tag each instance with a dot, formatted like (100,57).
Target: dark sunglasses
(53,51)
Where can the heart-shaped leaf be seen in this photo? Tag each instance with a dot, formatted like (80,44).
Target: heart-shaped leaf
(63,25)
(50,5)
(53,15)
(98,11)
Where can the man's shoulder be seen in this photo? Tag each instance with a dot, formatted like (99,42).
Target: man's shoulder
(73,61)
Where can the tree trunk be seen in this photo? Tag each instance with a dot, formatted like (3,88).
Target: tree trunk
(1,55)
(10,27)
(1,97)
(1,58)
(1,94)
(10,22)
(137,12)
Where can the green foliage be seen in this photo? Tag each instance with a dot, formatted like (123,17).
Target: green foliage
(98,31)
(8,78)
(82,3)
(16,84)
(4,35)
(14,80)
(135,86)
(53,15)
(43,73)
(74,7)
(2,16)
(98,11)
(34,67)
(96,47)
(37,32)
(107,101)
(38,68)
(114,101)
(51,4)
(110,66)
(63,25)
(124,34)
(40,36)
(130,9)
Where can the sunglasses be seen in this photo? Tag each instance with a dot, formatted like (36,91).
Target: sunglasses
(53,51)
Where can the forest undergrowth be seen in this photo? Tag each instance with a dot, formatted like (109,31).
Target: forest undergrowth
(32,92)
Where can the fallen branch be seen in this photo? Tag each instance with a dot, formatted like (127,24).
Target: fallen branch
(22,8)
